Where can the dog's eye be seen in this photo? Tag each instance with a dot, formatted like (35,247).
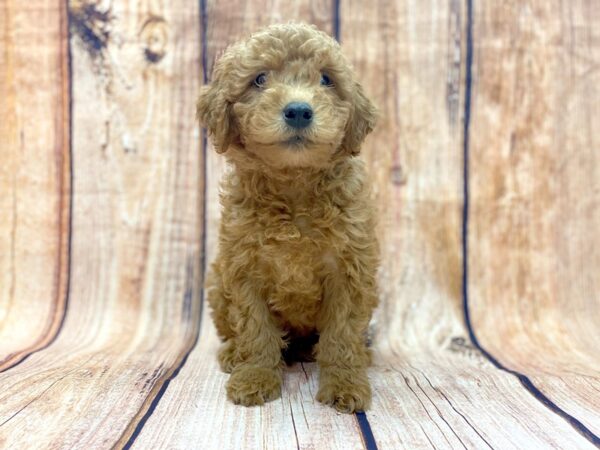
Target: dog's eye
(260,80)
(325,80)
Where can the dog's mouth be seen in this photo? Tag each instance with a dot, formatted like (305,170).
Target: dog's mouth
(296,141)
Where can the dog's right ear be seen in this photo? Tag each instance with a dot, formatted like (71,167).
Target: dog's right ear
(361,122)
(215,113)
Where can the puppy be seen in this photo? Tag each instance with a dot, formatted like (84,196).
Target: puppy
(298,255)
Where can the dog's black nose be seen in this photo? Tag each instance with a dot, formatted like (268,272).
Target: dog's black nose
(298,114)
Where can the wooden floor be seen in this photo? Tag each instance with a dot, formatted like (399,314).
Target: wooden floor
(486,167)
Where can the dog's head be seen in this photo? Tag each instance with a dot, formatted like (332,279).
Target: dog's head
(288,97)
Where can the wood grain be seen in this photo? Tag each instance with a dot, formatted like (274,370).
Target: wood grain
(135,275)
(34,176)
(415,162)
(463,402)
(535,185)
(195,404)
(415,155)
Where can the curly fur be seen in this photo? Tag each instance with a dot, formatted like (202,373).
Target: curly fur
(298,254)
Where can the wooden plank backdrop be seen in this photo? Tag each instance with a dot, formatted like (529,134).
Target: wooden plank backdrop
(34,177)
(486,171)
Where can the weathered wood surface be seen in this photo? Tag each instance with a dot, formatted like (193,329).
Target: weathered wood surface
(534,224)
(430,383)
(34,176)
(135,238)
(128,367)
(415,158)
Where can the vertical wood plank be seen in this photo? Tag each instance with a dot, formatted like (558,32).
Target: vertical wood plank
(535,190)
(34,175)
(409,59)
(134,297)
(196,404)
(227,22)
(431,386)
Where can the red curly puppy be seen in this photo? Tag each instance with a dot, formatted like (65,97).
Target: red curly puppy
(298,254)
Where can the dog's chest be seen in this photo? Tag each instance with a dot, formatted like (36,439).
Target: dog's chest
(298,248)
(298,251)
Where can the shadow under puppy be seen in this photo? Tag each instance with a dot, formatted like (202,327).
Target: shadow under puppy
(297,254)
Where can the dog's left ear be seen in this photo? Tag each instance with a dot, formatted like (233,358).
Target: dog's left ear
(215,113)
(361,122)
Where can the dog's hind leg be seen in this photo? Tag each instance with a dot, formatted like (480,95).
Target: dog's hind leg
(219,303)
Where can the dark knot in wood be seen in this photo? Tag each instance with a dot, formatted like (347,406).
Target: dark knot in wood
(154,36)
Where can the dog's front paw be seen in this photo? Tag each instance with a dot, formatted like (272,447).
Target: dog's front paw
(346,390)
(251,385)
